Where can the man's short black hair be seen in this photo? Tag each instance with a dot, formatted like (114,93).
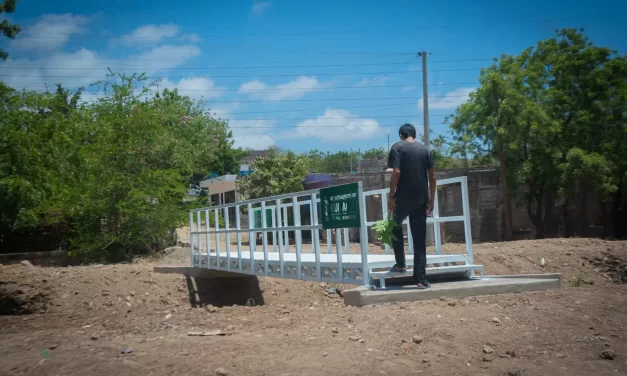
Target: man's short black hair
(407,130)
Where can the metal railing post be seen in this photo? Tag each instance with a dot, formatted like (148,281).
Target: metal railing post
(279,222)
(264,236)
(239,238)
(298,239)
(208,239)
(338,249)
(315,241)
(252,238)
(191,238)
(437,234)
(217,227)
(363,235)
(467,224)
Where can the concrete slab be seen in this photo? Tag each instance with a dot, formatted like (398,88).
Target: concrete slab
(490,285)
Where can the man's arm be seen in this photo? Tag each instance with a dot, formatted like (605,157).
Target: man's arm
(395,165)
(432,187)
(396,175)
(431,173)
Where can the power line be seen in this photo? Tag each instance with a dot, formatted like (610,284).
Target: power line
(265,75)
(140,67)
(329,118)
(219,68)
(318,109)
(44,90)
(309,127)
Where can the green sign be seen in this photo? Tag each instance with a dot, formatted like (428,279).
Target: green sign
(340,206)
(257,216)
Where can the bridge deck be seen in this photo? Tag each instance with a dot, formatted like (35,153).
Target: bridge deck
(348,259)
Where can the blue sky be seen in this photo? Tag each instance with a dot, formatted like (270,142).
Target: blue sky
(327,75)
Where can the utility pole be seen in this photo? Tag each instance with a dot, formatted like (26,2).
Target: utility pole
(358,160)
(350,154)
(425,98)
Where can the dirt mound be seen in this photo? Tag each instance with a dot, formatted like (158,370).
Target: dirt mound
(82,318)
(15,301)
(611,266)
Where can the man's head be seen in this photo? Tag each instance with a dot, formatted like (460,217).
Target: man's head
(406,131)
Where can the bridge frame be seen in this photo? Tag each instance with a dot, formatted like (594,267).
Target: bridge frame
(337,264)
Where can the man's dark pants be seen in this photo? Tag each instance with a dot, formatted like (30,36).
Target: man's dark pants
(417,214)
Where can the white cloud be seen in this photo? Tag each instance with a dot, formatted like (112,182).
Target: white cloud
(191,38)
(84,67)
(450,101)
(149,34)
(261,6)
(409,88)
(292,90)
(247,134)
(337,126)
(49,33)
(194,87)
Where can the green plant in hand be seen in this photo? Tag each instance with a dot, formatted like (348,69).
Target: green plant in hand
(384,230)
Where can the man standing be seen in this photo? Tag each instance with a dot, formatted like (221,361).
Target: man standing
(411,164)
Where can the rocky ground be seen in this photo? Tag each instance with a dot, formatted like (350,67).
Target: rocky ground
(127,320)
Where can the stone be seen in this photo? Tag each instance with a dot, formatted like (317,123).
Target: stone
(324,354)
(94,338)
(496,320)
(561,356)
(221,372)
(608,354)
(514,373)
(335,330)
(487,349)
(354,338)
(486,359)
(417,339)
(452,303)
(169,315)
(127,350)
(211,308)
(211,333)
(27,264)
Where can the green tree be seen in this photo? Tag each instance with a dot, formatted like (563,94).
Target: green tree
(374,153)
(8,29)
(107,179)
(278,173)
(554,118)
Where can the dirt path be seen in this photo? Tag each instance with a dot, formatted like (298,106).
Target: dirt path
(83,317)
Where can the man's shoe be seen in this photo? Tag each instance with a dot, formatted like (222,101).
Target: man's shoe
(396,269)
(424,285)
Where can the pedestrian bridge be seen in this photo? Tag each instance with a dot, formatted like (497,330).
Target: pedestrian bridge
(298,240)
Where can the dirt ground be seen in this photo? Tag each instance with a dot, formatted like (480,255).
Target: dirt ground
(79,321)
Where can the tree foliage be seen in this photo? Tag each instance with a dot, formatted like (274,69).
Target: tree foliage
(104,179)
(555,118)
(276,174)
(8,29)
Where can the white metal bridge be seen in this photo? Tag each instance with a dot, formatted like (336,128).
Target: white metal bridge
(294,245)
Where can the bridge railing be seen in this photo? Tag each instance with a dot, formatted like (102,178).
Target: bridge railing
(293,243)
(436,218)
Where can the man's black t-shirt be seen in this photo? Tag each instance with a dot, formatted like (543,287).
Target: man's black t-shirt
(413,159)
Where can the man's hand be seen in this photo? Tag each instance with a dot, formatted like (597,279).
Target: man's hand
(430,205)
(391,205)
